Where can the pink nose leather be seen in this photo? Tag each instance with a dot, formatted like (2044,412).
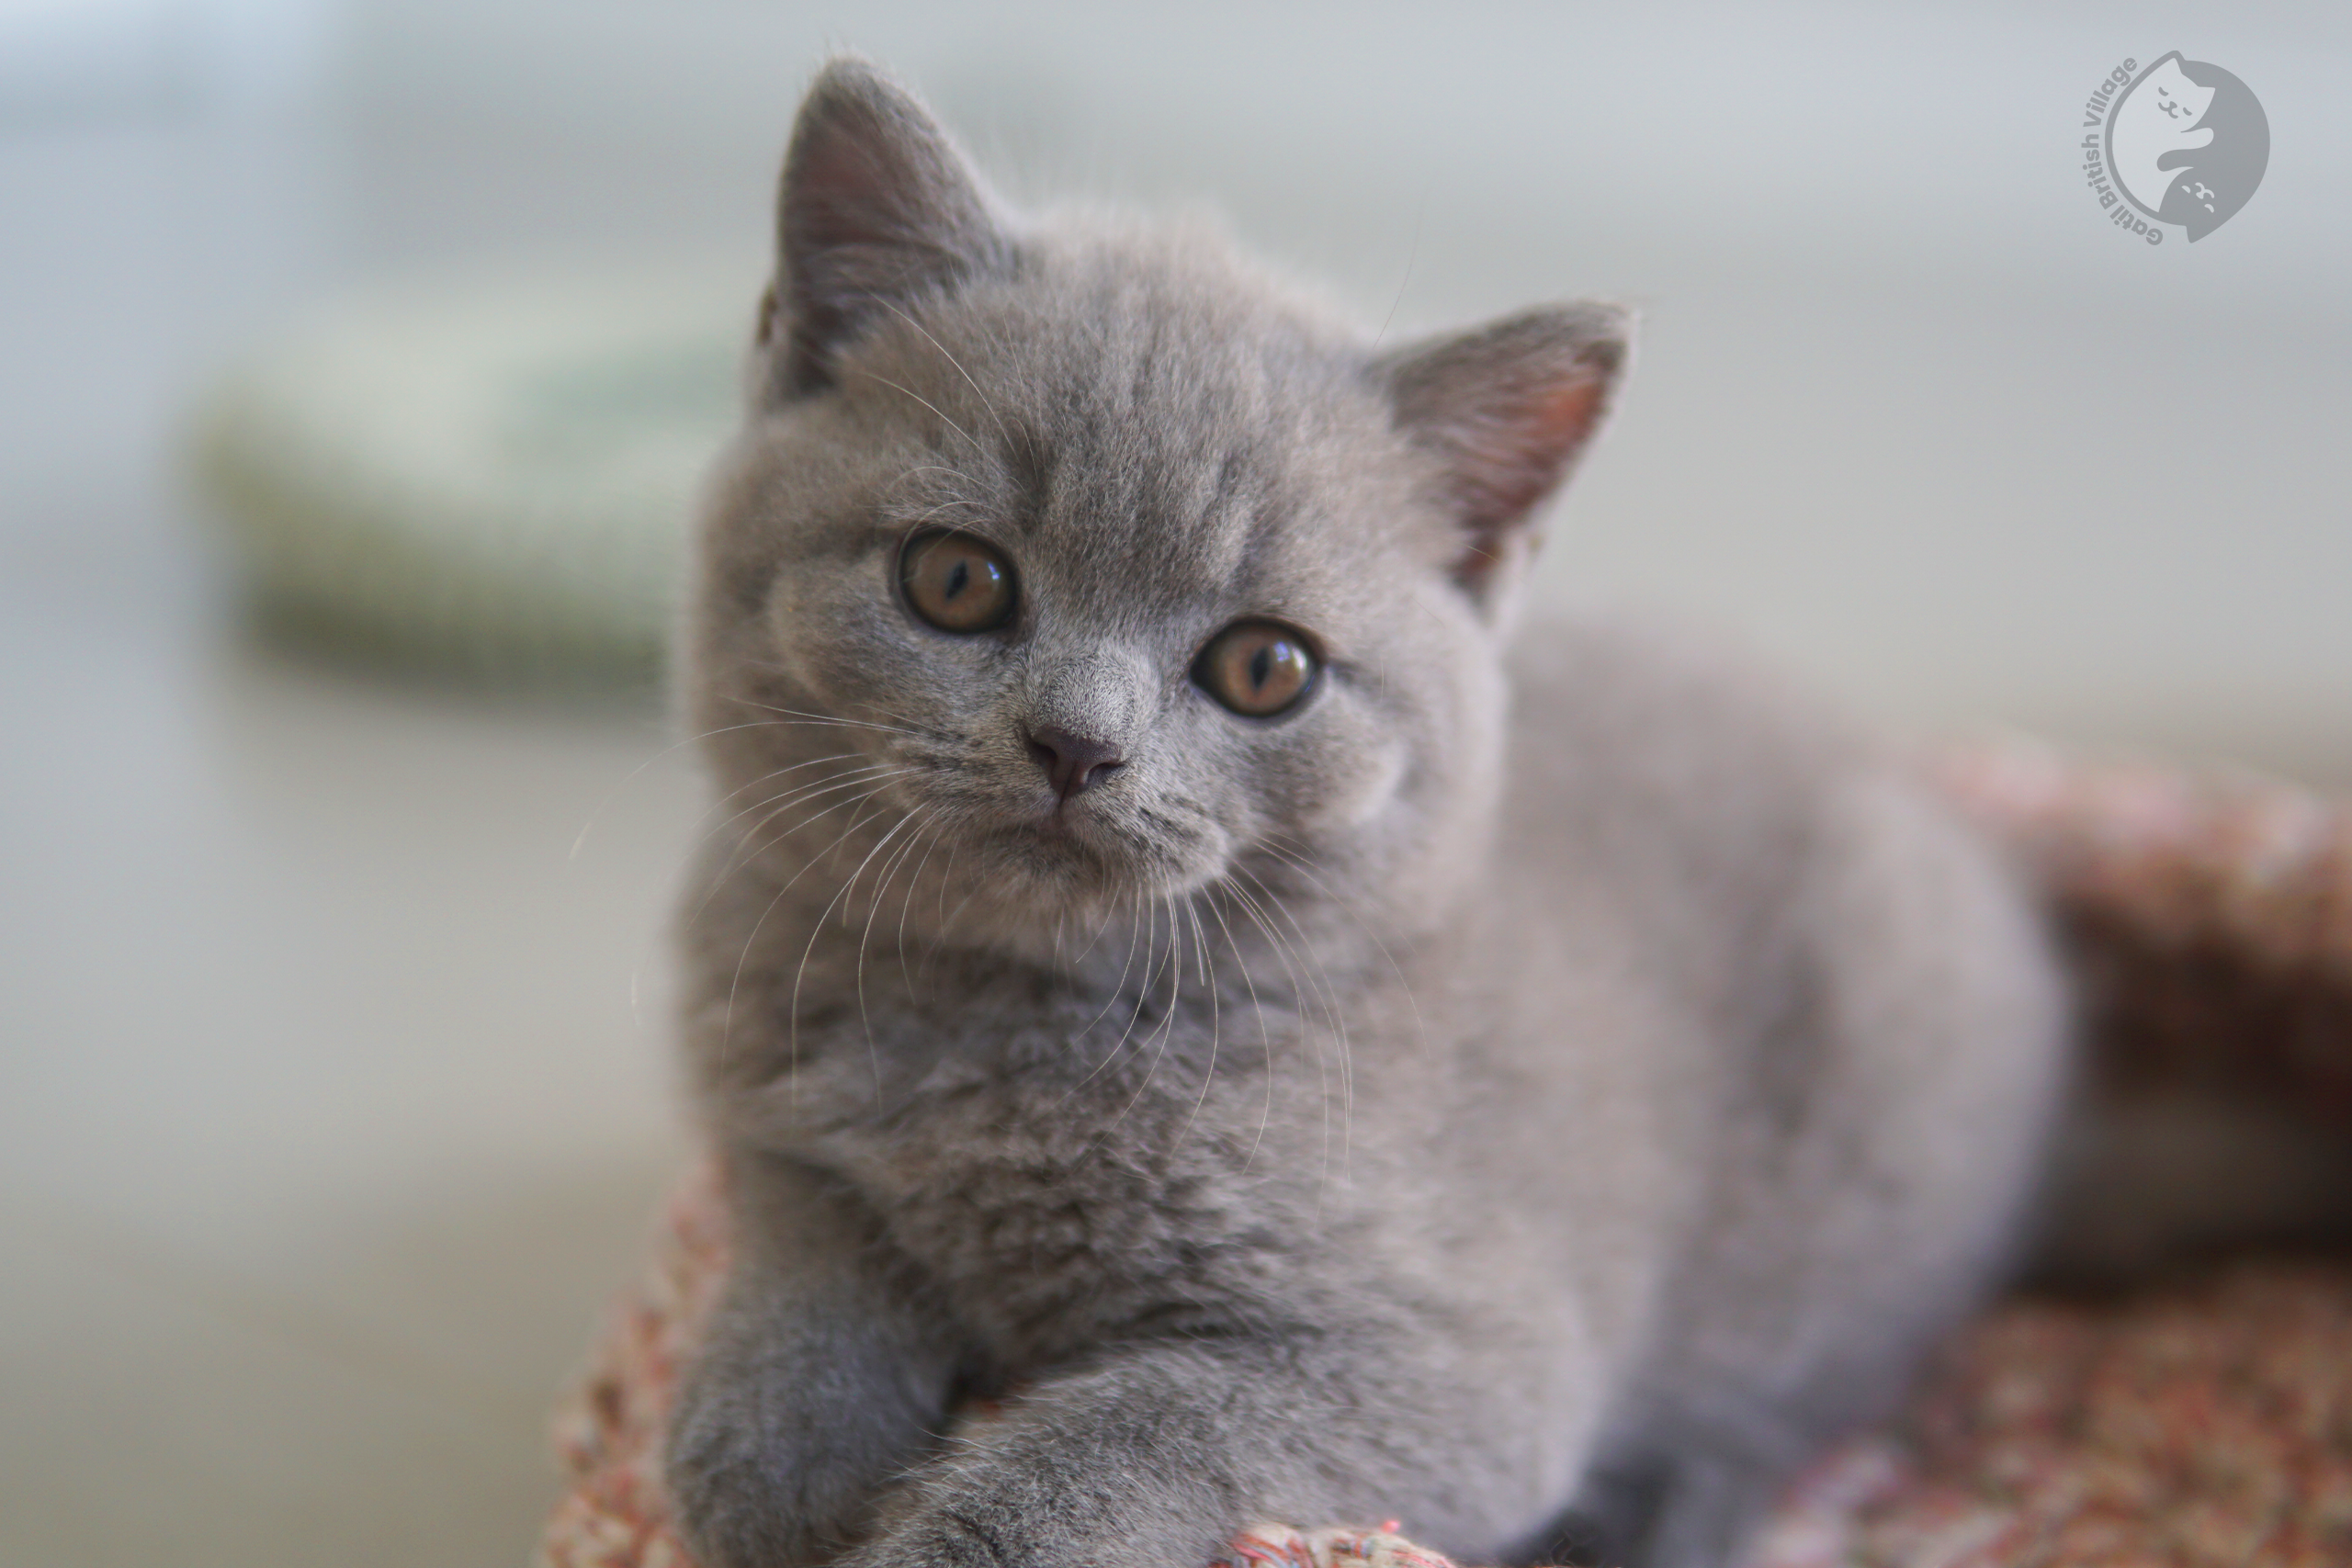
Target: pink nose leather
(1072,763)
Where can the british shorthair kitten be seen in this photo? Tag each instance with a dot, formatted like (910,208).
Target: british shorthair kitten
(1205,1022)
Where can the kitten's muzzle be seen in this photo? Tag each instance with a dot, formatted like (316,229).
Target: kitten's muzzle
(1072,763)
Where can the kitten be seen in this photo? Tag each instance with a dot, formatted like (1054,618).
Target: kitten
(1205,1024)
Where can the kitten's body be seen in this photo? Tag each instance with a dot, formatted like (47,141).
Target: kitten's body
(1438,1103)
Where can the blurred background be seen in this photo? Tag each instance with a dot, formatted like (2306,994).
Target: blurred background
(333,1101)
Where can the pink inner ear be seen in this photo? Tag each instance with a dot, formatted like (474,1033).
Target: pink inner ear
(1566,417)
(843,197)
(1520,454)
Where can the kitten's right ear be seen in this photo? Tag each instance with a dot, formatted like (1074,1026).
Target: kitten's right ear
(1506,409)
(878,208)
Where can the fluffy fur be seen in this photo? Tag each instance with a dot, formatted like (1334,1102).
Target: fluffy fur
(1563,1038)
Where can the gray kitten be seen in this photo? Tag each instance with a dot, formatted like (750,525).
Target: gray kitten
(1205,1024)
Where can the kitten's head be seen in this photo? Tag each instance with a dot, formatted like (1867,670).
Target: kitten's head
(1094,562)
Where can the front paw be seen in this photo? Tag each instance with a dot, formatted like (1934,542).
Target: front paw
(758,1486)
(1088,1507)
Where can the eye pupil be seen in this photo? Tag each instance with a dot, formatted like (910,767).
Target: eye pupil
(1262,664)
(959,578)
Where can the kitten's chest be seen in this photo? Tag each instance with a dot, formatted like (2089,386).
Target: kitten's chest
(1049,1221)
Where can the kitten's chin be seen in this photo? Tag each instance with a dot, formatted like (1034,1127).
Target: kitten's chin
(1043,876)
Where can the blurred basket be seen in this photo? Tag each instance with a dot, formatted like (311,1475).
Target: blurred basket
(487,475)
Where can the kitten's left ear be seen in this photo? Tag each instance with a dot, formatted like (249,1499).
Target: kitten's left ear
(1506,409)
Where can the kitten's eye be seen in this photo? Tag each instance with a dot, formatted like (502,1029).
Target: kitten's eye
(1256,667)
(955,582)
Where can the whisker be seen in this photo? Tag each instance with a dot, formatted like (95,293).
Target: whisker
(816,930)
(737,816)
(1312,995)
(1159,1037)
(1411,255)
(1304,995)
(802,717)
(926,817)
(1346,908)
(776,806)
(715,805)
(932,469)
(751,848)
(727,1026)
(630,777)
(1265,1037)
(1339,1022)
(947,920)
(940,819)
(929,512)
(927,403)
(958,363)
(1100,927)
(957,475)
(1143,997)
(1217,1021)
(1118,986)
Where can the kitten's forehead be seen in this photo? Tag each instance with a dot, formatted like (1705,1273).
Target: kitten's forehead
(1152,426)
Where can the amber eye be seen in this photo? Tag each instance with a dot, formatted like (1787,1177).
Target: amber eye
(1256,667)
(955,582)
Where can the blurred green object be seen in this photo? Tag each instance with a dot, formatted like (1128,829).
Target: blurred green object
(492,476)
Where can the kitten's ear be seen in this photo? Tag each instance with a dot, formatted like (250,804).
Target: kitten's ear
(878,208)
(1506,408)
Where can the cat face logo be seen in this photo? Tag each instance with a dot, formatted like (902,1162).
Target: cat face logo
(2187,143)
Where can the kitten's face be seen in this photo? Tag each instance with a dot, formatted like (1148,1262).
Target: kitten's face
(1094,572)
(1012,538)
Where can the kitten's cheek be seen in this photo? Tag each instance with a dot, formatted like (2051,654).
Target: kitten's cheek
(1360,793)
(788,623)
(830,655)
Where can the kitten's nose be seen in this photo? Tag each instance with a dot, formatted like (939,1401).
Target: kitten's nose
(1073,763)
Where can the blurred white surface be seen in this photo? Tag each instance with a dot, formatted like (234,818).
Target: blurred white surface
(325,1118)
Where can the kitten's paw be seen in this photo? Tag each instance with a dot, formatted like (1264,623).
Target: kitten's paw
(748,1496)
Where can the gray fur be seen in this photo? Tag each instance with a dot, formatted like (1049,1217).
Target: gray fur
(1546,1068)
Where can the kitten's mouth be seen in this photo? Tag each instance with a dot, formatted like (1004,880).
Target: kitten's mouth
(1062,834)
(1097,843)
(1071,845)
(1064,821)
